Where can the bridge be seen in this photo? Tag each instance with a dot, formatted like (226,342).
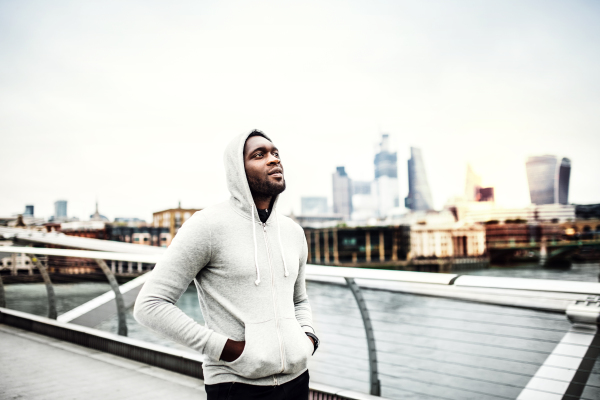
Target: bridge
(385,334)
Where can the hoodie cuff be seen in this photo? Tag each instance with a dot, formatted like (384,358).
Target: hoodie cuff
(215,345)
(308,329)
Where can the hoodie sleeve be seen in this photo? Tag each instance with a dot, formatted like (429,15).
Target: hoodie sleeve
(155,306)
(301,305)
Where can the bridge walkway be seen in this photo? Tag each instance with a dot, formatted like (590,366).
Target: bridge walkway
(34,366)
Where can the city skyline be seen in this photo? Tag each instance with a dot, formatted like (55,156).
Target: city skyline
(135,108)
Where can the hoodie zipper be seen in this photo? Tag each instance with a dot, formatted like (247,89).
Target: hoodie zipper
(281,352)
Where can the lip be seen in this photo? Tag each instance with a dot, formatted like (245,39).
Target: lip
(276,172)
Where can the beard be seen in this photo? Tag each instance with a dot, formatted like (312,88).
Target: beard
(264,188)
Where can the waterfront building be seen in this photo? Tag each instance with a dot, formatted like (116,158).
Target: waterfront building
(450,240)
(144,235)
(419,195)
(14,263)
(88,229)
(342,193)
(473,212)
(314,205)
(548,178)
(350,246)
(386,178)
(173,218)
(60,209)
(120,232)
(587,211)
(586,229)
(521,233)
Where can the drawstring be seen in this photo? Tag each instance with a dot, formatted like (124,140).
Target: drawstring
(286,273)
(257,281)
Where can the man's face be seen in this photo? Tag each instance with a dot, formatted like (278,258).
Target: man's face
(263,167)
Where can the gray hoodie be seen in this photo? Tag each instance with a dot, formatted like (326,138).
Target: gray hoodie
(250,282)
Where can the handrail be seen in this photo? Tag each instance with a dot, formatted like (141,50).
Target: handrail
(538,285)
(433,278)
(381,274)
(60,239)
(103,255)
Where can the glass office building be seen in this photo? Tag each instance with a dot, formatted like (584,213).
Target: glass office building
(548,178)
(419,195)
(386,178)
(342,193)
(60,209)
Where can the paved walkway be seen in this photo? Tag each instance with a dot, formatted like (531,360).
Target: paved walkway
(34,366)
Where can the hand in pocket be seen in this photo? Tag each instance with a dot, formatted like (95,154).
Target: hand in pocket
(232,350)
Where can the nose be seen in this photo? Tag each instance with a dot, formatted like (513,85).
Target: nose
(273,160)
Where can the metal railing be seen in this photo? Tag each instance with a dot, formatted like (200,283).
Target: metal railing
(459,341)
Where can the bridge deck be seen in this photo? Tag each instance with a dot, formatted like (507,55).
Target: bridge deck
(33,366)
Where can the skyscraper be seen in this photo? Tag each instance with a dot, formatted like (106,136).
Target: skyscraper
(60,209)
(548,178)
(473,184)
(28,211)
(386,177)
(473,189)
(419,195)
(342,193)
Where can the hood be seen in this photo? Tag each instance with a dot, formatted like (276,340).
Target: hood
(237,183)
(241,198)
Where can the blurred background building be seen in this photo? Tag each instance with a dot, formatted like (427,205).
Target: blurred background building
(60,210)
(342,193)
(419,194)
(173,218)
(386,178)
(548,178)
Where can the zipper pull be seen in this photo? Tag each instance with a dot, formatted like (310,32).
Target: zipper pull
(264,227)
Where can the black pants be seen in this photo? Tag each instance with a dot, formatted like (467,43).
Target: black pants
(296,389)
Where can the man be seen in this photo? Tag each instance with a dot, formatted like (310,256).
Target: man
(248,265)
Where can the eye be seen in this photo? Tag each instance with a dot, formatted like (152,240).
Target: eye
(258,154)
(276,154)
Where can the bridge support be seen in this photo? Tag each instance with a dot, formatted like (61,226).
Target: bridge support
(118,296)
(2,295)
(565,372)
(49,287)
(375,385)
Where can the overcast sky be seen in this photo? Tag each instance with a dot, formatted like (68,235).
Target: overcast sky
(134,102)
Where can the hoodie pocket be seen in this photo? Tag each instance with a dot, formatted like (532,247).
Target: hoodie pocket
(261,356)
(298,346)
